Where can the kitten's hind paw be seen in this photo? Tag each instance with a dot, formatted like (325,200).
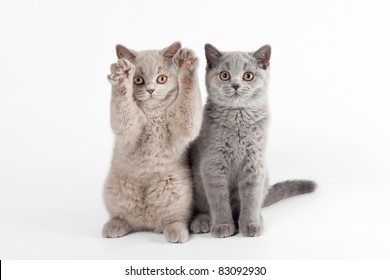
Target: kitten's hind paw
(120,71)
(176,232)
(185,59)
(223,230)
(115,228)
(200,223)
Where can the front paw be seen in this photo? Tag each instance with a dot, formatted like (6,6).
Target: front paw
(176,233)
(251,229)
(121,71)
(185,60)
(223,230)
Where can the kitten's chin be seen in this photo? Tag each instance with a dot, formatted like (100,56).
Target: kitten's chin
(158,97)
(236,100)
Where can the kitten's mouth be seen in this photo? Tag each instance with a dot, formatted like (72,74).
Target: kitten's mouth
(143,97)
(235,94)
(150,98)
(147,96)
(239,94)
(154,97)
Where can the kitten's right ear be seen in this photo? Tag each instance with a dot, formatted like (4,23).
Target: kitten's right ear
(212,55)
(123,52)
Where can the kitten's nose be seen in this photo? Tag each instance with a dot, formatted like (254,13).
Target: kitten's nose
(150,90)
(235,86)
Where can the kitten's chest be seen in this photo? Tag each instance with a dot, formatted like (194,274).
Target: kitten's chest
(154,137)
(239,135)
(241,139)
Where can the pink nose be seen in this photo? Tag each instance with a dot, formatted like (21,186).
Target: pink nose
(150,90)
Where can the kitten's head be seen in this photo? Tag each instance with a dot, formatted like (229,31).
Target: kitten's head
(237,79)
(155,81)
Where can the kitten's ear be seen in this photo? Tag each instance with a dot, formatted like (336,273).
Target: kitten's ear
(263,56)
(123,52)
(169,52)
(212,55)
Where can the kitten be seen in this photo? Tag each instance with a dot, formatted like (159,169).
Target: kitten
(228,157)
(155,114)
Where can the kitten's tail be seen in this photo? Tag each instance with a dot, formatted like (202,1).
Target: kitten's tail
(287,189)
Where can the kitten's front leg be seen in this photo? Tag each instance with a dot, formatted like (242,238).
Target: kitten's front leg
(217,191)
(126,118)
(251,189)
(186,112)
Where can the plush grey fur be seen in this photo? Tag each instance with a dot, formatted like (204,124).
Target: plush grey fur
(228,158)
(149,185)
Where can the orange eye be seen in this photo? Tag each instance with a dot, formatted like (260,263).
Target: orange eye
(224,76)
(138,80)
(162,79)
(248,76)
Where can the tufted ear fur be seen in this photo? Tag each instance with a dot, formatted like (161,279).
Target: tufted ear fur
(212,55)
(123,52)
(169,52)
(263,56)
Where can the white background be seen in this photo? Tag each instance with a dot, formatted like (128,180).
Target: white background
(329,99)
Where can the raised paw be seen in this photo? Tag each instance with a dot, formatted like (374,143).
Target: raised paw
(176,232)
(115,228)
(223,230)
(120,71)
(200,223)
(252,229)
(185,59)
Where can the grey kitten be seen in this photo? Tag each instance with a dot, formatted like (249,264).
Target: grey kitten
(228,157)
(155,113)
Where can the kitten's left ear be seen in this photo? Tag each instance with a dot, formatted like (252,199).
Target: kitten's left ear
(169,52)
(263,56)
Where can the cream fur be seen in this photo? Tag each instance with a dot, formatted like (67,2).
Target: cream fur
(149,184)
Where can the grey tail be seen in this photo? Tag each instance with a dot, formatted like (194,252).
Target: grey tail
(287,189)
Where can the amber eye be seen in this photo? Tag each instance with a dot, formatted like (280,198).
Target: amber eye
(138,80)
(162,79)
(248,76)
(224,76)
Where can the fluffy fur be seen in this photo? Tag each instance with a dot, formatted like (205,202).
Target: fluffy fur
(228,158)
(154,119)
